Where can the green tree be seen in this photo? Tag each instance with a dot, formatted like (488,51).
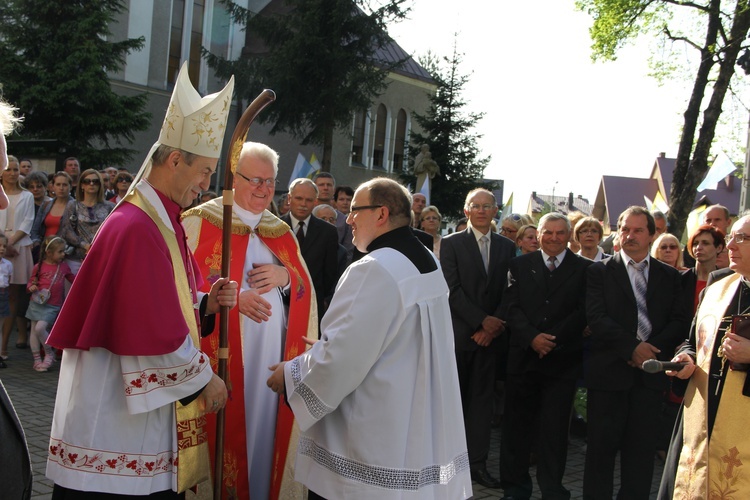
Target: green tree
(447,130)
(319,56)
(54,58)
(712,29)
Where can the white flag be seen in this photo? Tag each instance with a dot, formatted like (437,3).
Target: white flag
(721,167)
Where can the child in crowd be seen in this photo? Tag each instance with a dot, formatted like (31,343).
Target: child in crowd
(47,294)
(6,271)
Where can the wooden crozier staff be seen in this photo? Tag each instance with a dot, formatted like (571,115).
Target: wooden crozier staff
(235,146)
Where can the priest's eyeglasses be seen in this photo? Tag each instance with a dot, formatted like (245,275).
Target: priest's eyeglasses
(257,181)
(737,237)
(363,207)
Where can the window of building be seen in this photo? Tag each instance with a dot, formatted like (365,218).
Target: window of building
(399,146)
(175,40)
(186,34)
(381,123)
(358,138)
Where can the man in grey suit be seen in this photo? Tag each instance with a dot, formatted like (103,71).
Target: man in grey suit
(475,265)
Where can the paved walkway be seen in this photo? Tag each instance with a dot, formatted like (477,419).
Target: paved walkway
(33,395)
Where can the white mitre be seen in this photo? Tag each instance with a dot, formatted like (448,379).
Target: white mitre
(193,123)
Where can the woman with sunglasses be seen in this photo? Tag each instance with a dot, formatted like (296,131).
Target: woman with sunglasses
(123,180)
(667,249)
(83,216)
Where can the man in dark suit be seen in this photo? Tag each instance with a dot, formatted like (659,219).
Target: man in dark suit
(545,304)
(318,240)
(475,265)
(636,312)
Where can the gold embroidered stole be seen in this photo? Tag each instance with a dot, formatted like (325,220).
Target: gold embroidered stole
(712,469)
(192,462)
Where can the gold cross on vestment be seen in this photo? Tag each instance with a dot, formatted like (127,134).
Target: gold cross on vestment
(732,461)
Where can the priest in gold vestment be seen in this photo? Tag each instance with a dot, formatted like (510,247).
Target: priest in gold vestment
(710,452)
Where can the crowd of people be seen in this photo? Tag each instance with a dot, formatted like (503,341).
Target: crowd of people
(367,343)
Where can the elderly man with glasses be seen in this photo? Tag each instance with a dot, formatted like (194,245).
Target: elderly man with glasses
(475,265)
(276,310)
(711,445)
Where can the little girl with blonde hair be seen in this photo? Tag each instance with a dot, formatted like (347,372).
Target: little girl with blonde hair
(47,294)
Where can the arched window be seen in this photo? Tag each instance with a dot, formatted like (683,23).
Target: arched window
(399,145)
(378,152)
(358,138)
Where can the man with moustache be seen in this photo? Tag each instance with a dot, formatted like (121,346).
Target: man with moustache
(636,312)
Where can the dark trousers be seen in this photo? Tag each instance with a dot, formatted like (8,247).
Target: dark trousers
(537,409)
(61,493)
(476,377)
(627,421)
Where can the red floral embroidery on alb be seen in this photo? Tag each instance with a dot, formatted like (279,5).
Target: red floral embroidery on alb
(147,380)
(111,463)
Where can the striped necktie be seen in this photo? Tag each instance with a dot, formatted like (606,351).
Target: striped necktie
(644,324)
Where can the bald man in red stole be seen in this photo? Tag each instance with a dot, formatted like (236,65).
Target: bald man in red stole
(276,311)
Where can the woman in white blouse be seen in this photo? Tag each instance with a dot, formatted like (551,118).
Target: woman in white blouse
(588,233)
(16,221)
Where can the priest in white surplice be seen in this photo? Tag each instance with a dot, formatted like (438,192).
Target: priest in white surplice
(377,398)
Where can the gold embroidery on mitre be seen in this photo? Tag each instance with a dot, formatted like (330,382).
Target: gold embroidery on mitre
(193,123)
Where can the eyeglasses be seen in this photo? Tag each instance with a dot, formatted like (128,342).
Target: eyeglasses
(430,218)
(257,181)
(486,207)
(668,247)
(737,237)
(364,207)
(90,181)
(123,179)
(508,230)
(515,217)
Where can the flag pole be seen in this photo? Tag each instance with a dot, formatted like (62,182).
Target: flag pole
(235,147)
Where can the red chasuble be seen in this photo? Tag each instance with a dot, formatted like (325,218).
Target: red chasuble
(282,244)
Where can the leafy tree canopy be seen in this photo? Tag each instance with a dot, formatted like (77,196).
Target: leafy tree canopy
(55,58)
(714,31)
(319,56)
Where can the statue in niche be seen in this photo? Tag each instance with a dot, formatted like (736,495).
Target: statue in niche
(425,168)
